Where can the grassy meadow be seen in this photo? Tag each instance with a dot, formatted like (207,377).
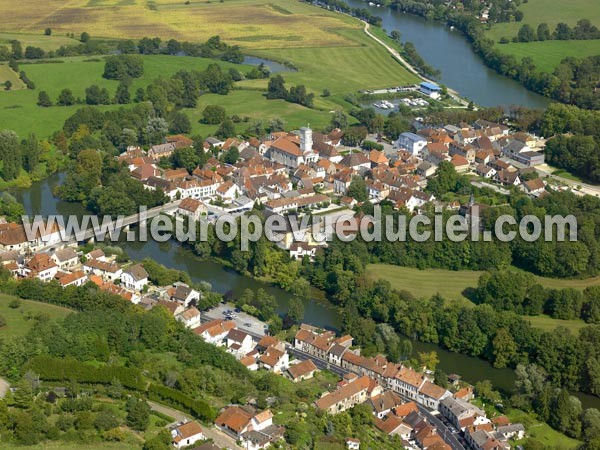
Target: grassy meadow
(18,321)
(547,55)
(7,74)
(37,39)
(453,285)
(551,12)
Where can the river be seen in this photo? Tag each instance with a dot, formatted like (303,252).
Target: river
(39,200)
(449,52)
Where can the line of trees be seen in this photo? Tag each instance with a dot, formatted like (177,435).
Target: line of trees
(296,94)
(584,30)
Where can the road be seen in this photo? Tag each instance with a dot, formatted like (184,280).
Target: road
(220,439)
(396,55)
(4,386)
(443,430)
(258,331)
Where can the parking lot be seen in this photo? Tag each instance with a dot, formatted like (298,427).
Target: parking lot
(243,321)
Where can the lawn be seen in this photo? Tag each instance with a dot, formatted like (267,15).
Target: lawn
(449,284)
(19,110)
(453,284)
(59,445)
(542,432)
(18,323)
(548,54)
(7,74)
(255,106)
(364,64)
(550,12)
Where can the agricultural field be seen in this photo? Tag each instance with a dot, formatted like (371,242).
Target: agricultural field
(38,39)
(19,110)
(7,74)
(323,46)
(453,285)
(248,23)
(18,320)
(547,55)
(551,12)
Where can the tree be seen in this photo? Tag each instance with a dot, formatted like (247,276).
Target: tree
(232,155)
(138,414)
(526,34)
(48,31)
(66,98)
(122,96)
(94,95)
(10,154)
(34,52)
(276,124)
(16,50)
(30,151)
(122,67)
(358,189)
(504,348)
(485,390)
(179,123)
(339,120)
(295,313)
(7,85)
(299,94)
(226,129)
(276,88)
(543,32)
(354,135)
(85,37)
(518,15)
(429,359)
(213,114)
(186,158)
(44,99)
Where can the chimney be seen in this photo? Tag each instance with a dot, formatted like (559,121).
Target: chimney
(306,141)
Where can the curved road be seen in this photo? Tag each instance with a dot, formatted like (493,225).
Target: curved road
(392,51)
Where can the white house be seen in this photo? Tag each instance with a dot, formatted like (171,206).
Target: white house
(214,331)
(411,142)
(107,271)
(187,434)
(134,277)
(239,343)
(190,317)
(185,294)
(65,257)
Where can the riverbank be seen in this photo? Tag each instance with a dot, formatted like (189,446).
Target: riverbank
(39,200)
(461,69)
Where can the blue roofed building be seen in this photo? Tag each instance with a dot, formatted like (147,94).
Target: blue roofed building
(431,90)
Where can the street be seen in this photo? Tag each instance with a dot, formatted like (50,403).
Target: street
(219,438)
(443,430)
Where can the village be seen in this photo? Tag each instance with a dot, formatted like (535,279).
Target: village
(296,173)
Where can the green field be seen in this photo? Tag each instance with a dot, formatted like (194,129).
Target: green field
(548,54)
(7,74)
(37,40)
(551,12)
(542,432)
(19,111)
(331,51)
(18,321)
(59,445)
(452,285)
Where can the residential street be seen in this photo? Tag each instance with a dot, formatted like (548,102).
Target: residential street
(220,439)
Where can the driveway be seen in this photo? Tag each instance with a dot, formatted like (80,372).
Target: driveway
(4,386)
(220,439)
